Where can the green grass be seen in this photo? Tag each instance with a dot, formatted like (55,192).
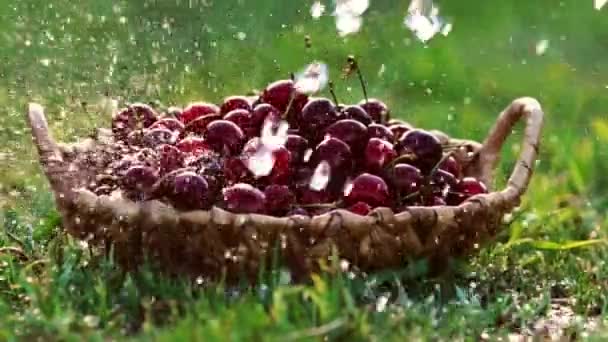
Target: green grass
(70,55)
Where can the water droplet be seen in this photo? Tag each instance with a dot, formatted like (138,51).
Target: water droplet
(91,321)
(424,21)
(45,61)
(541,47)
(317,9)
(381,303)
(320,177)
(261,162)
(348,24)
(241,35)
(313,78)
(598,4)
(351,7)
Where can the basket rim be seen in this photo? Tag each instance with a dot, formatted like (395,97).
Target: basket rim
(482,165)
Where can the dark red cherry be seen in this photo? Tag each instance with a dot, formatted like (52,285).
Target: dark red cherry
(297,146)
(376,109)
(168,123)
(406,179)
(381,132)
(189,191)
(360,208)
(464,189)
(298,211)
(170,158)
(443,179)
(135,117)
(279,199)
(316,116)
(452,166)
(235,102)
(199,125)
(138,182)
(236,171)
(367,188)
(355,112)
(193,145)
(224,135)
(261,112)
(279,93)
(243,198)
(196,110)
(352,132)
(424,147)
(159,136)
(307,196)
(399,129)
(378,154)
(244,120)
(336,153)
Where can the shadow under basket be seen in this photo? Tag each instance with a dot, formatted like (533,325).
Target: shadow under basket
(217,243)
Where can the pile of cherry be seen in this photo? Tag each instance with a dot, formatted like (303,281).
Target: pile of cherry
(280,153)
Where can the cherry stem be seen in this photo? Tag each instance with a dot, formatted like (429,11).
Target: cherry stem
(292,97)
(362,81)
(436,167)
(332,92)
(320,205)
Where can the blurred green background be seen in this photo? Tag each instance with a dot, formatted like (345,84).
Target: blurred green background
(73,56)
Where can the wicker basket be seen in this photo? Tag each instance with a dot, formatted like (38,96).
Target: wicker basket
(219,243)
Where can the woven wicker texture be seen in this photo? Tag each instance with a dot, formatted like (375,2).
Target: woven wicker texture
(219,243)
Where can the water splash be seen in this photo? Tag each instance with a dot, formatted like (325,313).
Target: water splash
(317,9)
(261,162)
(320,177)
(424,21)
(274,134)
(351,7)
(313,78)
(542,46)
(348,24)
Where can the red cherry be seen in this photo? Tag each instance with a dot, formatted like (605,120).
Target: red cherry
(196,110)
(159,136)
(297,146)
(355,112)
(425,148)
(244,120)
(380,131)
(243,198)
(378,154)
(135,117)
(406,179)
(279,93)
(279,199)
(399,129)
(367,188)
(192,145)
(452,166)
(376,109)
(224,135)
(316,116)
(352,132)
(168,123)
(263,111)
(199,125)
(170,158)
(336,153)
(360,208)
(138,182)
(236,171)
(189,191)
(235,102)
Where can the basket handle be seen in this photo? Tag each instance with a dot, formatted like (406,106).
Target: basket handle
(56,169)
(522,108)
